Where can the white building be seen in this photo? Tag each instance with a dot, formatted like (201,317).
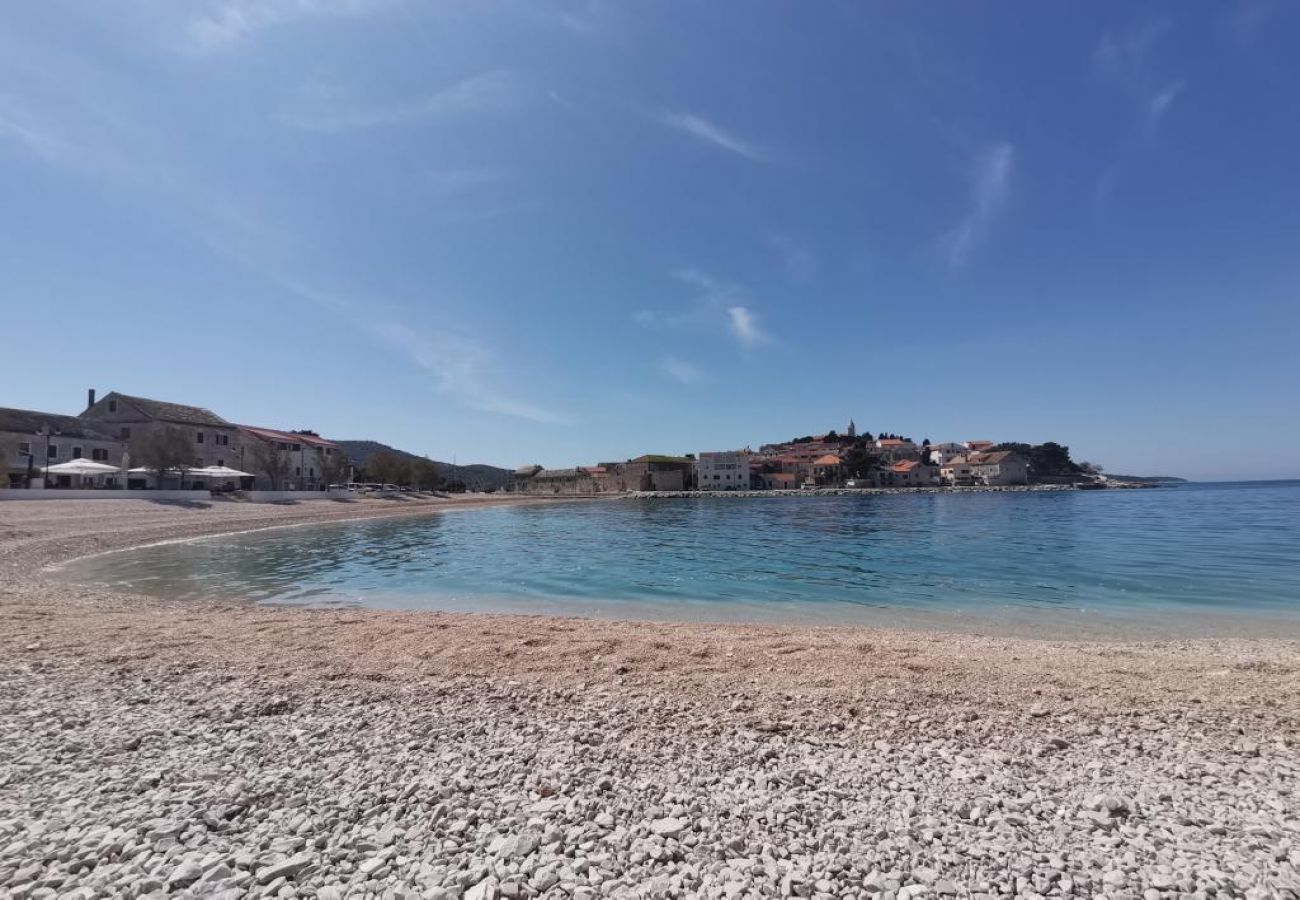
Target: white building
(942,453)
(723,470)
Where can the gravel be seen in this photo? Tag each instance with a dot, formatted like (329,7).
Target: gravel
(151,749)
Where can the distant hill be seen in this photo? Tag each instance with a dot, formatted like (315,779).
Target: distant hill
(476,477)
(1155,479)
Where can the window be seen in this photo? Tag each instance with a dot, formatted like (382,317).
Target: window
(76,453)
(99,454)
(221,462)
(198,437)
(125,432)
(25,448)
(112,406)
(297,471)
(52,451)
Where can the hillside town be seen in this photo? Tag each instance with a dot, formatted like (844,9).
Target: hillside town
(124,442)
(825,461)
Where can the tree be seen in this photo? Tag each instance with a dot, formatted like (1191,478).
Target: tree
(8,455)
(389,468)
(1046,459)
(424,475)
(165,452)
(271,458)
(860,461)
(332,464)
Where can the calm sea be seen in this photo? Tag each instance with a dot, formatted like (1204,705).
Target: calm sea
(1212,555)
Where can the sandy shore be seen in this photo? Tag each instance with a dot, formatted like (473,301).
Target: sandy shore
(149,747)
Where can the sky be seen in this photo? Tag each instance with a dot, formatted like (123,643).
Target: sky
(517,232)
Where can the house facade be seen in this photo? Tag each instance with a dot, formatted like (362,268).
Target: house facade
(942,453)
(909,473)
(827,471)
(214,441)
(308,457)
(723,470)
(31,440)
(1001,468)
(892,450)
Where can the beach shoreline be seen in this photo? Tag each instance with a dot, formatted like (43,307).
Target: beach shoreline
(699,759)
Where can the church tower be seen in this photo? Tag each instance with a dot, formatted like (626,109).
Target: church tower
(852,430)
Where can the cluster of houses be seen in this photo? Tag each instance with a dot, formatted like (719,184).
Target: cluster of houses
(42,449)
(822,461)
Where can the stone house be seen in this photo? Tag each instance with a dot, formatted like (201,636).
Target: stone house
(909,473)
(215,441)
(827,471)
(892,450)
(308,454)
(1000,468)
(31,440)
(655,472)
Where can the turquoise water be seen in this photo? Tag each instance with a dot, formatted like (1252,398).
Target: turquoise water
(1170,553)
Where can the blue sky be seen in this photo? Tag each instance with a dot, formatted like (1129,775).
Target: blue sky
(520,231)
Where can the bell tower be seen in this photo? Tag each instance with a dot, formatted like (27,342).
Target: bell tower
(852,430)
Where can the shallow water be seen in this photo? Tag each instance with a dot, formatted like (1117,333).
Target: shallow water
(1224,553)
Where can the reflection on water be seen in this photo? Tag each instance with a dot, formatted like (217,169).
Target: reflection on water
(1207,547)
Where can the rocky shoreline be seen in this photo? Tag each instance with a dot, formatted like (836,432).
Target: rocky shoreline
(856,492)
(152,749)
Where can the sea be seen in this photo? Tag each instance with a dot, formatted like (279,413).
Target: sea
(1194,559)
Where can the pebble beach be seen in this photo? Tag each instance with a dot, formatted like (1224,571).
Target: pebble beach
(150,748)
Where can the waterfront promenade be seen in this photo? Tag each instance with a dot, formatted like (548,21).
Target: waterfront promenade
(152,748)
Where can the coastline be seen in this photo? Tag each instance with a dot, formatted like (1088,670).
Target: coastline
(761,743)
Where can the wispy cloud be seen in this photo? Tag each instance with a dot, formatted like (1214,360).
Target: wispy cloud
(1161,101)
(486,92)
(1123,57)
(680,370)
(718,307)
(18,126)
(226,23)
(990,182)
(1246,20)
(462,369)
(702,129)
(745,327)
(1126,59)
(232,226)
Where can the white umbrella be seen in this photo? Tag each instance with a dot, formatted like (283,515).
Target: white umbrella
(82,467)
(219,472)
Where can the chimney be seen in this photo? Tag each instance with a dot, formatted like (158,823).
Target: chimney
(90,398)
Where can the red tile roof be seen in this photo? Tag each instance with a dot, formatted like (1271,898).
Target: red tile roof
(288,437)
(906,465)
(828,460)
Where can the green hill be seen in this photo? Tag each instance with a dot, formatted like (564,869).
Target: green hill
(477,477)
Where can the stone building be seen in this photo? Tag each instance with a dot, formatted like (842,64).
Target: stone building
(999,468)
(309,456)
(31,440)
(723,470)
(909,473)
(554,482)
(215,441)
